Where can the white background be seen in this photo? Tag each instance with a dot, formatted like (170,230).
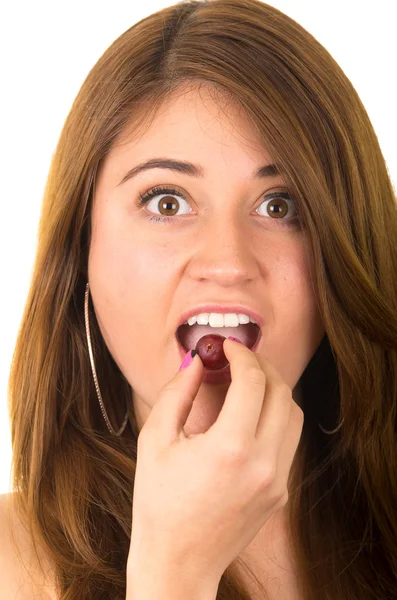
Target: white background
(46,51)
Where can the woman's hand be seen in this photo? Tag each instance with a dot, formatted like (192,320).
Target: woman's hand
(199,500)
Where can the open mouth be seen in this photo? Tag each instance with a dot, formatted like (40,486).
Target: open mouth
(188,335)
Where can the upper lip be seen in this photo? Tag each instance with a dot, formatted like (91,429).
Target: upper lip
(222,308)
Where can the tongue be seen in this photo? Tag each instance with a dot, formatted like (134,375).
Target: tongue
(189,335)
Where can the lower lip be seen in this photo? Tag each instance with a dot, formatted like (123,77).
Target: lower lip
(218,376)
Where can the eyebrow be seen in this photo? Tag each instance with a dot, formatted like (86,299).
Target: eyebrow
(188,168)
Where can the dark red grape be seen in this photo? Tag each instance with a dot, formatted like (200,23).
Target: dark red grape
(210,350)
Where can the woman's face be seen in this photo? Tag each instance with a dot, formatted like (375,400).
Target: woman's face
(224,245)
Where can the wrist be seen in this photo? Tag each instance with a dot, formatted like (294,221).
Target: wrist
(155,580)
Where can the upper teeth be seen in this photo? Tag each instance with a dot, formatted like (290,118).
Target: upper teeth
(220,320)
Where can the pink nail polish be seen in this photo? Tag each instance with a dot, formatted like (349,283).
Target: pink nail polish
(188,359)
(234,339)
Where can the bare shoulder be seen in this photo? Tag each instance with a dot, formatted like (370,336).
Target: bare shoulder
(10,575)
(18,568)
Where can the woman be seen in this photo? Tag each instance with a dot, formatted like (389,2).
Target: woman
(306,248)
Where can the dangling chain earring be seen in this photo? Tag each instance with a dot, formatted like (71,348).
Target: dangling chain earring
(87,329)
(334,430)
(109,425)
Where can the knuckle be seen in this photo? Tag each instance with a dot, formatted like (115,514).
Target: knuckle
(256,376)
(169,388)
(146,436)
(285,391)
(298,413)
(234,452)
(266,475)
(279,497)
(283,500)
(143,437)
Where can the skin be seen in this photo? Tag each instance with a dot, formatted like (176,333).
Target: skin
(144,274)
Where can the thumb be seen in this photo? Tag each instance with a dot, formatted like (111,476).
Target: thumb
(172,408)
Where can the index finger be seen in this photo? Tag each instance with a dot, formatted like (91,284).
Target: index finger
(252,375)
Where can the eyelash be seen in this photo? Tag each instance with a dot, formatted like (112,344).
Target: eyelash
(144,199)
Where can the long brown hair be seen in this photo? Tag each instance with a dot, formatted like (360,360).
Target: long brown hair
(74,479)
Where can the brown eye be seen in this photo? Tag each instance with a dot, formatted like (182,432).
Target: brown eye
(278,206)
(167,205)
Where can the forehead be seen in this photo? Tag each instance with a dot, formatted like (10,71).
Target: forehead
(194,121)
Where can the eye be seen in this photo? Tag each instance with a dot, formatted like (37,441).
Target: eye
(277,206)
(166,203)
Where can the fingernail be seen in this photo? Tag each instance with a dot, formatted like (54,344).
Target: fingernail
(234,339)
(188,359)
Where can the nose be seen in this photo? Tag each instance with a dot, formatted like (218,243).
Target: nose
(225,251)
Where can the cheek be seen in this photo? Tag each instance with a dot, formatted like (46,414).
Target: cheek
(132,285)
(124,257)
(296,327)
